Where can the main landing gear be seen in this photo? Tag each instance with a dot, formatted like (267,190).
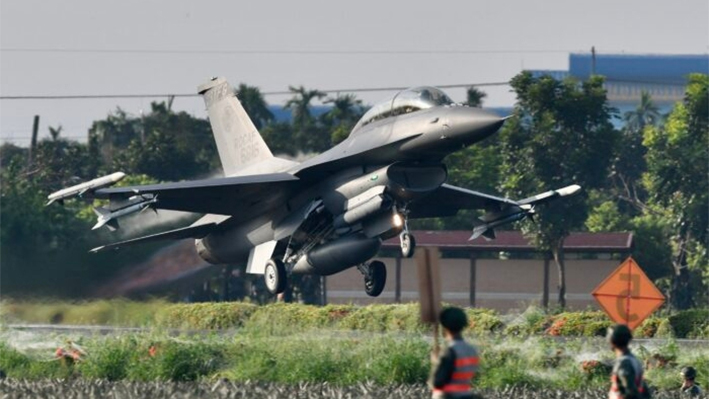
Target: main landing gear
(375,277)
(275,276)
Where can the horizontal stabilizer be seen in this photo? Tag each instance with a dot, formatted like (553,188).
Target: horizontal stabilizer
(177,234)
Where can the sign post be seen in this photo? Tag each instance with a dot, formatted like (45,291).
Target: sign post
(429,277)
(627,295)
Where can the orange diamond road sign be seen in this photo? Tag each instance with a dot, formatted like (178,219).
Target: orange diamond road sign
(627,295)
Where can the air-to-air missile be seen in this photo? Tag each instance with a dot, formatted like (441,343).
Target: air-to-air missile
(80,189)
(109,217)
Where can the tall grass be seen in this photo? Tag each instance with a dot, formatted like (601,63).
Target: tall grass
(322,356)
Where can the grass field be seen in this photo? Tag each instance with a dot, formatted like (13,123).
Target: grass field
(336,357)
(339,345)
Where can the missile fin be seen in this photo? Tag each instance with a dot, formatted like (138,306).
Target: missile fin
(113,225)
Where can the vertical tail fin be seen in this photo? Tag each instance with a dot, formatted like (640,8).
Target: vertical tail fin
(238,141)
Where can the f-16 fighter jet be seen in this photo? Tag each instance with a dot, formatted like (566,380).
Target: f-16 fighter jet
(333,211)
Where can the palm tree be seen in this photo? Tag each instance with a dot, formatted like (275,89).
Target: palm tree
(300,104)
(253,102)
(475,97)
(345,109)
(646,114)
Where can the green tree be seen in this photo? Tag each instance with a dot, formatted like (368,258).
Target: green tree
(645,114)
(475,97)
(342,117)
(677,181)
(44,248)
(560,135)
(163,144)
(629,163)
(299,104)
(113,134)
(255,105)
(309,135)
(279,138)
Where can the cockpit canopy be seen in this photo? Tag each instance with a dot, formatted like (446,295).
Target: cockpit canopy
(404,102)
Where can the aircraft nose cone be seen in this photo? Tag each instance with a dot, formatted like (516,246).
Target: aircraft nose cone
(473,124)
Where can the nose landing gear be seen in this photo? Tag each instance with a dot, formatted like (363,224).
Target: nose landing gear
(407,243)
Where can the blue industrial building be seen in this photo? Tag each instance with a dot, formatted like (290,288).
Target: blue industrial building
(664,76)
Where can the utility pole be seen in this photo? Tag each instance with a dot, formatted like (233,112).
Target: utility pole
(33,143)
(593,60)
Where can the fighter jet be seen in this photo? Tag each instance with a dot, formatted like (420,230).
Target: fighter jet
(333,211)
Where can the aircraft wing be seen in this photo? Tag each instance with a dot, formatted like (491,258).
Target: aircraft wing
(197,231)
(225,196)
(447,200)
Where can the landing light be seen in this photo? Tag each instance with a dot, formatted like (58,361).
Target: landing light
(397,220)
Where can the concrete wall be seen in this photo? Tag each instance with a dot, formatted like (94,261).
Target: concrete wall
(503,285)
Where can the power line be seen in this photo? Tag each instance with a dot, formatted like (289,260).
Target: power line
(266,93)
(281,52)
(288,92)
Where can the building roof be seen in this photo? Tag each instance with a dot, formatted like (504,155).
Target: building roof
(514,241)
(649,68)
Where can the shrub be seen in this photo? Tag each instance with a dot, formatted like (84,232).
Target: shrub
(12,360)
(110,359)
(176,361)
(483,321)
(690,323)
(580,324)
(649,327)
(205,316)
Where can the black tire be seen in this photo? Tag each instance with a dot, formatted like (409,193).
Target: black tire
(275,277)
(408,245)
(376,278)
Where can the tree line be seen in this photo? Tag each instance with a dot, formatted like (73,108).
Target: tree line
(649,176)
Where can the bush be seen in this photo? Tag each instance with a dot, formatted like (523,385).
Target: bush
(690,323)
(110,360)
(205,316)
(186,362)
(648,328)
(287,318)
(12,360)
(483,321)
(579,324)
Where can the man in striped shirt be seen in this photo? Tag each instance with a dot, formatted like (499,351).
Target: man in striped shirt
(458,365)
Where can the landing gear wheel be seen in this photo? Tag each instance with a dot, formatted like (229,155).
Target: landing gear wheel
(275,276)
(375,278)
(408,244)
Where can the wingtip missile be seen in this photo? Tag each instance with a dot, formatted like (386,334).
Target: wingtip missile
(569,190)
(82,189)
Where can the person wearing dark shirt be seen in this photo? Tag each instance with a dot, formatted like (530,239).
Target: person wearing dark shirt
(627,377)
(690,388)
(458,365)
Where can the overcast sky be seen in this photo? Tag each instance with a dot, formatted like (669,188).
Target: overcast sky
(74,47)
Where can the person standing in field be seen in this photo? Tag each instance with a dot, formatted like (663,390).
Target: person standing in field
(627,377)
(458,365)
(689,387)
